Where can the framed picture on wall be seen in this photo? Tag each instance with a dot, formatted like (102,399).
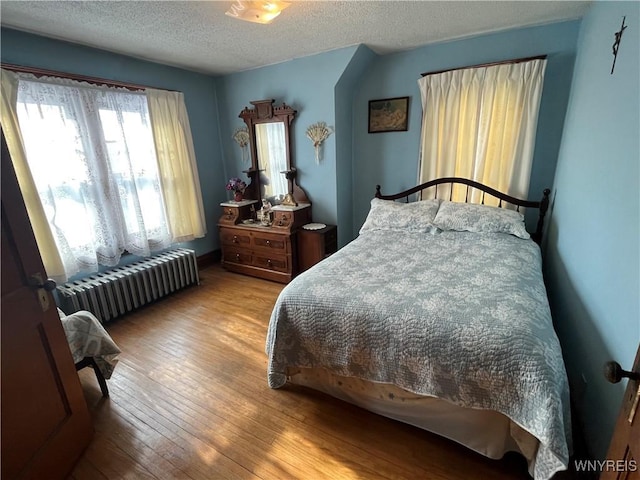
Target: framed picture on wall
(389,115)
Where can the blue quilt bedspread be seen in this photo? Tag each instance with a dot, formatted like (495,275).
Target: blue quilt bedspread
(456,315)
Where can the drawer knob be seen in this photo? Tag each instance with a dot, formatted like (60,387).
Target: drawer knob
(269,263)
(268,242)
(238,256)
(235,239)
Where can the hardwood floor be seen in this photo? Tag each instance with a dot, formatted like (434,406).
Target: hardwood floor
(189,400)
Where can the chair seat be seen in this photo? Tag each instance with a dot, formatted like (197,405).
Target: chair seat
(90,345)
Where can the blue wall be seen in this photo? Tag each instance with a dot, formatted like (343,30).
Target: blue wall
(200,98)
(592,261)
(345,175)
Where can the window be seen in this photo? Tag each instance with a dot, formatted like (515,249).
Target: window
(479,123)
(92,158)
(104,176)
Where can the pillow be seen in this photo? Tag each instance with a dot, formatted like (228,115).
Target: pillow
(471,217)
(410,217)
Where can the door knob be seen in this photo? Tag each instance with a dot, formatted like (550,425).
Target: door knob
(36,282)
(48,285)
(613,372)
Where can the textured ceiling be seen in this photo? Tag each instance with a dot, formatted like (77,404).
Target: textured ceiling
(198,36)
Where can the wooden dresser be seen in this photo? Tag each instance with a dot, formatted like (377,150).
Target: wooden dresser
(253,249)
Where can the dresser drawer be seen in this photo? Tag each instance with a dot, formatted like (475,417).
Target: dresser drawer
(235,237)
(239,256)
(275,262)
(276,243)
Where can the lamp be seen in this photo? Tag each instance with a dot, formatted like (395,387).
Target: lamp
(261,11)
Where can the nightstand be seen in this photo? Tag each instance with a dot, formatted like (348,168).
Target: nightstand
(315,245)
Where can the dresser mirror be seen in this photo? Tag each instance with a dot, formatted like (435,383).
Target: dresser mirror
(271,148)
(272,174)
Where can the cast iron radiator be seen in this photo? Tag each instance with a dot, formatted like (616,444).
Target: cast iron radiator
(119,290)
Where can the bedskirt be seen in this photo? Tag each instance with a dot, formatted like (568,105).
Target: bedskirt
(487,432)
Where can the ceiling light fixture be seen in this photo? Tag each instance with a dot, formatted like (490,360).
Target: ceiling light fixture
(257,11)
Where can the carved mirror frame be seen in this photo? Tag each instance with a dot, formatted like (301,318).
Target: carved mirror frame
(264,111)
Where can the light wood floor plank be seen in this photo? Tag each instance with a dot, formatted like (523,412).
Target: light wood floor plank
(189,400)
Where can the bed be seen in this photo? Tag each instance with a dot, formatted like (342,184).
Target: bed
(435,315)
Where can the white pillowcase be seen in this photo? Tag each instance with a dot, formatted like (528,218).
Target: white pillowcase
(401,216)
(471,217)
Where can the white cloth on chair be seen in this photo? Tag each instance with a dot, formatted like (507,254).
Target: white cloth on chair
(88,338)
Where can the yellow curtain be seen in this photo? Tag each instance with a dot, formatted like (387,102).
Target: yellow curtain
(44,238)
(177,164)
(480,124)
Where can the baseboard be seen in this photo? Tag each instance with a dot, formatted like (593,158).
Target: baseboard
(210,258)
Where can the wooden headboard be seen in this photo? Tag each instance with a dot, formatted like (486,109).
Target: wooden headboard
(542,205)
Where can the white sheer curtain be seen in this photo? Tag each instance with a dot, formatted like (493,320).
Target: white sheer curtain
(90,152)
(480,123)
(177,164)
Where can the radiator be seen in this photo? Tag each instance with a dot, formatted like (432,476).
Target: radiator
(115,292)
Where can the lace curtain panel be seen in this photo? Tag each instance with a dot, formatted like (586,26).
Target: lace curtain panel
(90,155)
(480,123)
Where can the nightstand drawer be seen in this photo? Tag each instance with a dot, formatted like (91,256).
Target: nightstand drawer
(331,241)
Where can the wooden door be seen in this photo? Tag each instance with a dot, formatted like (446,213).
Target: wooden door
(623,459)
(45,420)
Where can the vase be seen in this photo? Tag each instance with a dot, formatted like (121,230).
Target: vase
(237,196)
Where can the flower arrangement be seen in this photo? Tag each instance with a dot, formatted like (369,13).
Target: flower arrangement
(318,133)
(236,185)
